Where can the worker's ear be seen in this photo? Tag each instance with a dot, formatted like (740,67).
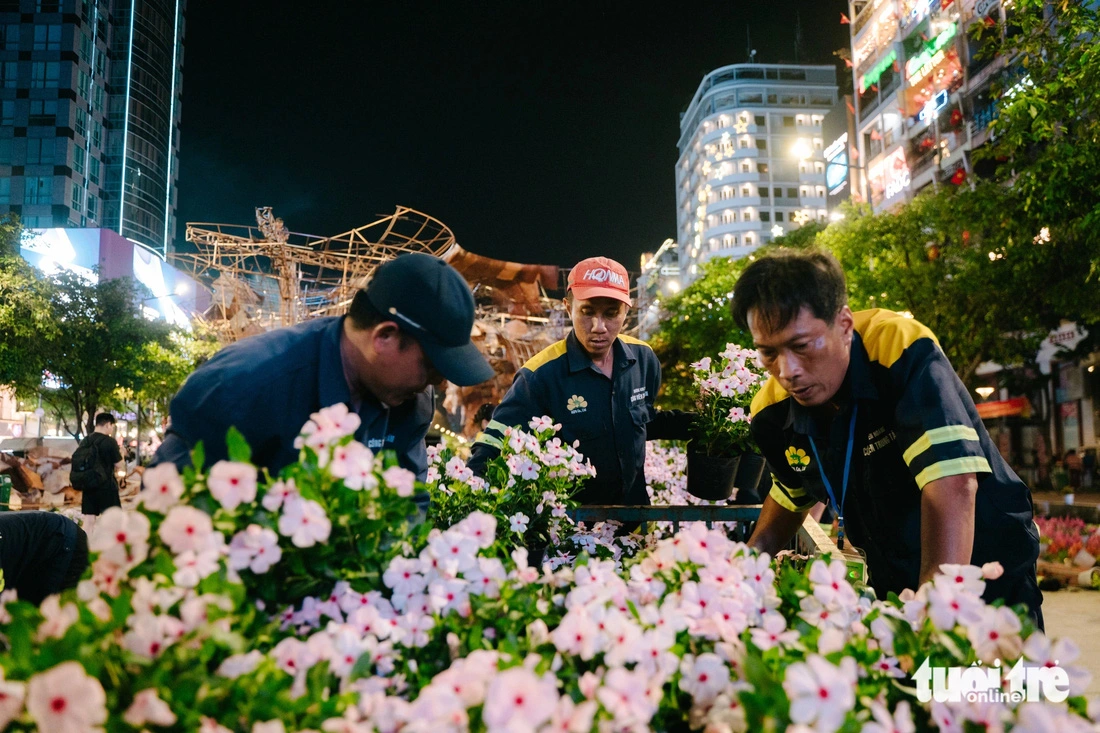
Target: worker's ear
(386,337)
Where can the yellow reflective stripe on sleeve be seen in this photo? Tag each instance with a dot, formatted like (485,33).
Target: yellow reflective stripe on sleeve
(785,497)
(498,426)
(953,467)
(781,499)
(489,440)
(946,434)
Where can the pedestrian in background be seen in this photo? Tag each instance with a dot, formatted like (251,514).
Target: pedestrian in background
(94,465)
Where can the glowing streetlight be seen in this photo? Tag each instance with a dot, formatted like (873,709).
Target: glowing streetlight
(801,149)
(984,392)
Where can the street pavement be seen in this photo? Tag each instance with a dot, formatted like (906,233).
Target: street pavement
(1074,613)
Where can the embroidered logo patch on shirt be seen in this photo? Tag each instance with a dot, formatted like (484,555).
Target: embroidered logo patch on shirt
(797,458)
(576,404)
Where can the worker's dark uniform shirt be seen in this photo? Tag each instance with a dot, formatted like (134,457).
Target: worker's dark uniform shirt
(916,423)
(36,549)
(608,415)
(268,385)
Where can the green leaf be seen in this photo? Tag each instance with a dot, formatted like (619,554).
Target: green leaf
(239,450)
(198,457)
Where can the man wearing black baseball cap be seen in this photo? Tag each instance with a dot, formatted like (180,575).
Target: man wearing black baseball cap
(407,331)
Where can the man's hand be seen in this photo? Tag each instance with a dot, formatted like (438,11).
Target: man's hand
(947,523)
(775,528)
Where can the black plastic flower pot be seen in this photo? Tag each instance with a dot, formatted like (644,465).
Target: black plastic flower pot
(711,478)
(750,479)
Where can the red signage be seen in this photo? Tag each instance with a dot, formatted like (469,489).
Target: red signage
(1004,408)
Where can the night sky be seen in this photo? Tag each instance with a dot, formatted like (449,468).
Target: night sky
(539,132)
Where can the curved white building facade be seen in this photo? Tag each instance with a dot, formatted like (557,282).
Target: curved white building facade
(751,163)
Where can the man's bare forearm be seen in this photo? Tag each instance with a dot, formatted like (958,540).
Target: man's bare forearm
(947,523)
(776,527)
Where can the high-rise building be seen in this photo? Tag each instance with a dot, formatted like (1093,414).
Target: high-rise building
(751,163)
(922,92)
(90,99)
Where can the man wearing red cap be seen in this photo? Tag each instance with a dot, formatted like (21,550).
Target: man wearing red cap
(599,384)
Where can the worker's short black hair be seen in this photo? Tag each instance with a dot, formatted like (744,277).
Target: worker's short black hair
(364,315)
(104,418)
(780,285)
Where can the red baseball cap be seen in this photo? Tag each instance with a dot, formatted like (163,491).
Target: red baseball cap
(599,277)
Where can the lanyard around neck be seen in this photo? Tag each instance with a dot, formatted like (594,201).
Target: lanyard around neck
(838,508)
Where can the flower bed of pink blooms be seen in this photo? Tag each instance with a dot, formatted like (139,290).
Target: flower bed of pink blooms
(1063,538)
(233,601)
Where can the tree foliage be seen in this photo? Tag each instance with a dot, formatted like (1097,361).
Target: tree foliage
(89,339)
(99,344)
(161,367)
(25,314)
(1046,136)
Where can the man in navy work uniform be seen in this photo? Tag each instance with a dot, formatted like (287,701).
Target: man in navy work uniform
(599,384)
(41,553)
(863,411)
(408,329)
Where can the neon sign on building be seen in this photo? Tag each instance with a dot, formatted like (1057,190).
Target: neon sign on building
(889,177)
(930,56)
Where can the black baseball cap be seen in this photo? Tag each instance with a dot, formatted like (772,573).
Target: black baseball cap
(431,302)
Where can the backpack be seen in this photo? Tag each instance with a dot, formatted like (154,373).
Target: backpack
(87,472)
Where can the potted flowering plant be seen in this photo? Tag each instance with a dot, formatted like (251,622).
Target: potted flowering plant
(530,484)
(722,441)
